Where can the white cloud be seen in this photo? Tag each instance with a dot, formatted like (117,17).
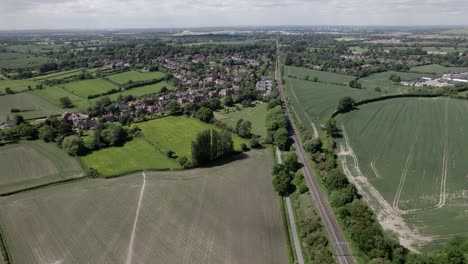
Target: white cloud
(15,14)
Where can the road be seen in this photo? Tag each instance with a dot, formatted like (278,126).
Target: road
(292,221)
(337,240)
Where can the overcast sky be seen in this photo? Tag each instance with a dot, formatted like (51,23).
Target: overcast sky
(91,14)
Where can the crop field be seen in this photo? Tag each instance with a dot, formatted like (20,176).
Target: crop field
(437,69)
(16,85)
(89,87)
(223,214)
(256,115)
(315,102)
(381,80)
(31,106)
(176,133)
(143,90)
(32,163)
(19,60)
(323,76)
(408,159)
(138,154)
(125,77)
(59,75)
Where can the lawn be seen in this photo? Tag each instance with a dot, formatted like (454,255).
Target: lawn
(31,106)
(323,76)
(125,77)
(16,85)
(176,133)
(381,80)
(412,156)
(138,154)
(256,115)
(89,87)
(32,163)
(222,214)
(437,69)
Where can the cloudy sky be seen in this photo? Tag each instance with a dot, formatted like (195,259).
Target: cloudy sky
(90,14)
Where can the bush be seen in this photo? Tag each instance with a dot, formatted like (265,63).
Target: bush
(184,162)
(244,147)
(255,142)
(15,110)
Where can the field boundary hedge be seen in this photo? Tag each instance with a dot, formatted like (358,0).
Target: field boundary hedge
(126,87)
(40,186)
(6,256)
(388,97)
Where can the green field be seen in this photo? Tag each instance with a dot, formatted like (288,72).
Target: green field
(16,85)
(315,102)
(143,90)
(382,81)
(408,157)
(437,69)
(32,163)
(323,76)
(9,60)
(256,115)
(59,75)
(89,87)
(357,49)
(223,214)
(138,154)
(177,133)
(31,106)
(125,77)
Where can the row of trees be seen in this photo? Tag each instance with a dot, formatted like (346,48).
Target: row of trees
(277,128)
(210,145)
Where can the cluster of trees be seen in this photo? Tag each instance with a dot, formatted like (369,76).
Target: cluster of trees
(284,174)
(23,130)
(355,84)
(395,78)
(210,145)
(277,128)
(243,128)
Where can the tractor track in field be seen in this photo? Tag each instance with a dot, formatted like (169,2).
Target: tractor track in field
(445,161)
(388,217)
(401,184)
(137,214)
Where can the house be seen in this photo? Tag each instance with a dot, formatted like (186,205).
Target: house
(265,85)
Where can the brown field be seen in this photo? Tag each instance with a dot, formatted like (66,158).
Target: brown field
(223,214)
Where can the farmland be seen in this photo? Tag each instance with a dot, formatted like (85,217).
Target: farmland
(408,158)
(31,106)
(315,102)
(29,164)
(177,134)
(19,60)
(16,85)
(125,77)
(223,214)
(382,80)
(137,154)
(322,76)
(437,69)
(256,115)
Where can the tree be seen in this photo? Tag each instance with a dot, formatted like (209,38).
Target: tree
(19,119)
(336,180)
(282,183)
(8,90)
(27,131)
(313,145)
(164,89)
(290,163)
(172,107)
(47,67)
(114,134)
(46,133)
(244,128)
(345,104)
(281,138)
(355,84)
(228,101)
(331,129)
(65,102)
(205,114)
(72,145)
(254,142)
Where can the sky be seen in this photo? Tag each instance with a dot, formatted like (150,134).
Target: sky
(107,14)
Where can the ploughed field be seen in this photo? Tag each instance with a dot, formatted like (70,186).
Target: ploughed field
(409,157)
(30,106)
(32,163)
(223,214)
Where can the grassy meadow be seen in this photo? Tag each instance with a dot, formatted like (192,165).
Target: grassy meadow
(125,77)
(10,60)
(413,152)
(142,90)
(16,85)
(31,106)
(381,80)
(323,76)
(32,163)
(176,133)
(256,115)
(89,87)
(222,214)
